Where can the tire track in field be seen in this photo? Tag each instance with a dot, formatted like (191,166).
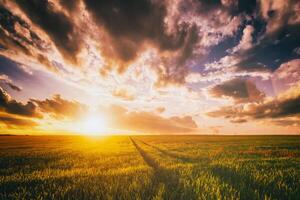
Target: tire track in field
(151,162)
(226,175)
(182,158)
(164,179)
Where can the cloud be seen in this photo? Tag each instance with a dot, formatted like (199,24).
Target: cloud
(246,41)
(297,50)
(70,5)
(278,13)
(11,106)
(214,20)
(286,76)
(269,38)
(270,52)
(277,36)
(160,109)
(284,106)
(179,32)
(15,32)
(130,24)
(240,90)
(148,122)
(13,122)
(288,122)
(56,107)
(6,80)
(124,94)
(19,115)
(229,48)
(17,38)
(55,24)
(289,71)
(60,108)
(238,120)
(130,28)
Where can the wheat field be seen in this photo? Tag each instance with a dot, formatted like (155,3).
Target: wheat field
(150,167)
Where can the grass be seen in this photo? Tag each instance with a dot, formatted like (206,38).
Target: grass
(150,167)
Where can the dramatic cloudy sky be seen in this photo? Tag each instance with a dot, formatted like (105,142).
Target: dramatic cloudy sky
(150,66)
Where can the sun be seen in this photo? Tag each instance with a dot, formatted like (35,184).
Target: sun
(93,125)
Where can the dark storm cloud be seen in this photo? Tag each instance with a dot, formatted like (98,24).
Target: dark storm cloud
(202,7)
(273,51)
(60,108)
(277,28)
(70,5)
(131,23)
(56,24)
(263,53)
(238,89)
(135,20)
(286,105)
(176,69)
(11,106)
(17,35)
(185,33)
(243,6)
(279,14)
(10,37)
(127,28)
(235,7)
(274,37)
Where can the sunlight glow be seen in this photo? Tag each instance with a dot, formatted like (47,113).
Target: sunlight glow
(93,125)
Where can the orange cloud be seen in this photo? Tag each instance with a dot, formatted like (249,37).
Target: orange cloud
(60,108)
(13,122)
(123,94)
(11,106)
(279,108)
(160,109)
(148,122)
(56,107)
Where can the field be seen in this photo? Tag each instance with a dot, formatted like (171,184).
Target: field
(150,167)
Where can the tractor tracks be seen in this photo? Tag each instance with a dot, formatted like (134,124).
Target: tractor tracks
(151,162)
(170,154)
(165,180)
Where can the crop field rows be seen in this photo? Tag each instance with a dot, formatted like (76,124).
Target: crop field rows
(150,167)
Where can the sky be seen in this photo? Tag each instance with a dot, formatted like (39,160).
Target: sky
(150,66)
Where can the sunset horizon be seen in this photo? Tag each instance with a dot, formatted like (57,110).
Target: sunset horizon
(150,67)
(150,99)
